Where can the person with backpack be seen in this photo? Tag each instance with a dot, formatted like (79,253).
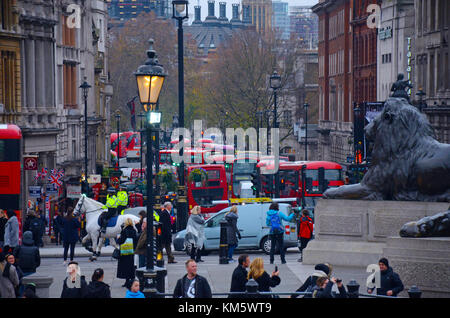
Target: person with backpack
(274,220)
(28,257)
(34,225)
(306,228)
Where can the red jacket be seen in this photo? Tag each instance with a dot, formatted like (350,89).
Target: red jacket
(306,227)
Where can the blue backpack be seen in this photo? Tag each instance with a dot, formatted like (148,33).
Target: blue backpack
(275,223)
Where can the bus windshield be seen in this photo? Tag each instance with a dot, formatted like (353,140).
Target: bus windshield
(242,171)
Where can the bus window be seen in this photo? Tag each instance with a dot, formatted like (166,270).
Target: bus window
(333,174)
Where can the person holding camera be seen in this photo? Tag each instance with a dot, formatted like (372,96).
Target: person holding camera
(324,286)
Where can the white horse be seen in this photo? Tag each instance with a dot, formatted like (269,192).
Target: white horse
(93,209)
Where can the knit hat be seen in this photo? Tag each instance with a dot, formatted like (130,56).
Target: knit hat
(384,261)
(322,267)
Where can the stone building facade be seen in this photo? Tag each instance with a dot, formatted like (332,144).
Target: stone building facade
(48,47)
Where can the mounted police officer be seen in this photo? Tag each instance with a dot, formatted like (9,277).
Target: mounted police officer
(122,196)
(112,202)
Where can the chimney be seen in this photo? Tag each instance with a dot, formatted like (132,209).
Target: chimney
(211,15)
(223,12)
(235,20)
(198,16)
(246,18)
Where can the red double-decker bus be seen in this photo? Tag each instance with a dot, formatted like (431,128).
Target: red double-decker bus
(10,168)
(319,175)
(203,193)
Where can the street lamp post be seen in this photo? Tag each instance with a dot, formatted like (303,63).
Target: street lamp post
(150,78)
(275,84)
(180,13)
(306,105)
(85,87)
(259,125)
(421,94)
(117,115)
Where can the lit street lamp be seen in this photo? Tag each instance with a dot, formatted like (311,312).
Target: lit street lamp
(275,84)
(150,78)
(180,13)
(85,87)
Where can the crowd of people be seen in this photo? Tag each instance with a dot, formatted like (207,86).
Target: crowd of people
(18,261)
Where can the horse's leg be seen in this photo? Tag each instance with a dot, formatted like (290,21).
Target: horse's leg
(100,245)
(94,237)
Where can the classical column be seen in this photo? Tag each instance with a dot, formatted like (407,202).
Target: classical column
(30,71)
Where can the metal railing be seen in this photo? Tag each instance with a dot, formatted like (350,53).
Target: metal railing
(252,292)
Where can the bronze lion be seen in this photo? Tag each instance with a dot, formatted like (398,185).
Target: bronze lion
(408,163)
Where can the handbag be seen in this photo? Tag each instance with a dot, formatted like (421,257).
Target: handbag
(116,253)
(127,247)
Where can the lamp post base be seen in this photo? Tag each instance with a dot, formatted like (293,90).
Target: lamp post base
(151,281)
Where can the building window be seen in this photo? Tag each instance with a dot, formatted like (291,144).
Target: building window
(6,17)
(68,33)
(70,87)
(8,85)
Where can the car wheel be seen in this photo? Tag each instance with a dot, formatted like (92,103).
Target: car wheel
(265,245)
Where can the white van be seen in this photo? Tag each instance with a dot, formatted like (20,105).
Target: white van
(252,225)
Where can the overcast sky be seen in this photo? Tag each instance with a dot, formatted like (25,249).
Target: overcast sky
(204,5)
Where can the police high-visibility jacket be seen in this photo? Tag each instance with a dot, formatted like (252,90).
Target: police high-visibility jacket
(111,202)
(123,198)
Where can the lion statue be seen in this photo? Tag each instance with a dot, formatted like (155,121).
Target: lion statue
(437,225)
(408,164)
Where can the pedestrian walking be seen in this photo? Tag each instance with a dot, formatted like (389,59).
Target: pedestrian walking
(324,286)
(195,233)
(27,255)
(141,246)
(70,234)
(11,236)
(41,231)
(239,277)
(74,285)
(57,227)
(166,232)
(3,220)
(97,288)
(320,270)
(265,282)
(274,220)
(390,282)
(232,231)
(34,224)
(133,291)
(192,285)
(306,228)
(127,242)
(9,280)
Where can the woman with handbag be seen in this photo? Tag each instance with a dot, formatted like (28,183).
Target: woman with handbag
(127,242)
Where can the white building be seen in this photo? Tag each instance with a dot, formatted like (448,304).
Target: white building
(394,45)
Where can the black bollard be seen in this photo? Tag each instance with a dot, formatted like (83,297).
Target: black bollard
(414,292)
(251,287)
(223,249)
(353,289)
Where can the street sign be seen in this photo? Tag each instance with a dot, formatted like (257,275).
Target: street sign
(51,189)
(30,163)
(34,191)
(95,178)
(73,191)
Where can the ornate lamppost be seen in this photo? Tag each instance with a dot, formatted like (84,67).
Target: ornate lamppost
(150,78)
(85,87)
(275,84)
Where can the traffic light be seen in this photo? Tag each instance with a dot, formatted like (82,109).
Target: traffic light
(267,183)
(255,183)
(323,183)
(158,245)
(282,184)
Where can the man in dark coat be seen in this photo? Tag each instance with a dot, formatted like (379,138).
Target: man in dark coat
(166,233)
(192,285)
(390,283)
(28,257)
(239,277)
(232,231)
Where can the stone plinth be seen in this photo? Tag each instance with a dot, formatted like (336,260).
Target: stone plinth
(424,262)
(42,284)
(354,232)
